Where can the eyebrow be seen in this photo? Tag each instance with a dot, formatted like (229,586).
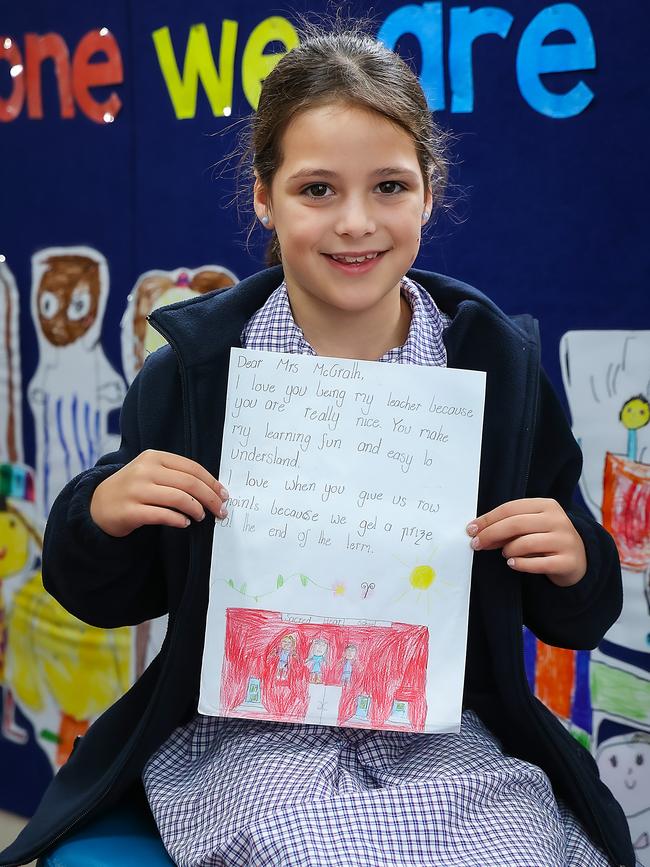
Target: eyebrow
(388,171)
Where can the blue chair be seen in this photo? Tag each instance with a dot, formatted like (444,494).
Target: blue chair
(124,837)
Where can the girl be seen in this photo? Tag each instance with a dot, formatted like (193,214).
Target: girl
(347,166)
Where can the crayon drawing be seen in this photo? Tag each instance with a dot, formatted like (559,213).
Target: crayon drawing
(294,668)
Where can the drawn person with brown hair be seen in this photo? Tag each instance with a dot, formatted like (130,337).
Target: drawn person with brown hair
(75,387)
(155,289)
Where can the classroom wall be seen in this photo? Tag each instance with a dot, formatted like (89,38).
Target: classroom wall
(116,121)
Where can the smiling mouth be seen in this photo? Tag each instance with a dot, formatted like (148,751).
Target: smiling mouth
(629,785)
(352,259)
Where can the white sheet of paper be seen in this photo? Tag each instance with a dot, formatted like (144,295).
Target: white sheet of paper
(339,586)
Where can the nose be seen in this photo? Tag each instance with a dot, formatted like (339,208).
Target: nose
(355,218)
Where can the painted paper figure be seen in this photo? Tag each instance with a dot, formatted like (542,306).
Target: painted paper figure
(11,438)
(624,765)
(155,289)
(62,668)
(75,388)
(20,548)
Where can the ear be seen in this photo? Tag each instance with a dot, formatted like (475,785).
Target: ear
(261,201)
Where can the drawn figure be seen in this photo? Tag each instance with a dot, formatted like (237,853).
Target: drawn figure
(155,289)
(20,545)
(286,652)
(52,654)
(316,660)
(606,376)
(11,437)
(350,654)
(634,415)
(624,765)
(75,387)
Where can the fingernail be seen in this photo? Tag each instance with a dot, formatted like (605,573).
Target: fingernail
(223,511)
(224,494)
(475,543)
(202,516)
(510,561)
(187,522)
(472,529)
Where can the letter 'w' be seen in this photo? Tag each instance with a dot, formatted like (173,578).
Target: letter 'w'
(199,63)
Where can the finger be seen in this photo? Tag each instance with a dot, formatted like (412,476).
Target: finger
(508,529)
(173,498)
(165,517)
(193,486)
(528,505)
(533,545)
(554,564)
(187,465)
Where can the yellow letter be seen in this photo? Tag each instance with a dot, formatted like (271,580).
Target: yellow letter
(199,63)
(255,64)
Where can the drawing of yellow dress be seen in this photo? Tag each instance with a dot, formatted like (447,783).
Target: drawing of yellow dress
(83,668)
(20,546)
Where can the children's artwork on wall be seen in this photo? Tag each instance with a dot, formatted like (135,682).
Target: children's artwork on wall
(606,376)
(155,289)
(75,387)
(603,697)
(20,549)
(63,671)
(623,757)
(11,435)
(340,579)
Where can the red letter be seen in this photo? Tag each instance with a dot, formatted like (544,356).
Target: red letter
(86,75)
(40,48)
(11,107)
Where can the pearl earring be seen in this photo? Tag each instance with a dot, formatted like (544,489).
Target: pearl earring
(425,215)
(265,220)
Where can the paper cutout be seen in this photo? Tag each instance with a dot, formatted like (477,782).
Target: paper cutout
(351,484)
(155,289)
(11,434)
(20,544)
(75,387)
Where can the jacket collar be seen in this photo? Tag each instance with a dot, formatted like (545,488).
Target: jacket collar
(200,328)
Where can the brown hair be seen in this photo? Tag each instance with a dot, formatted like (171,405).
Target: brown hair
(343,64)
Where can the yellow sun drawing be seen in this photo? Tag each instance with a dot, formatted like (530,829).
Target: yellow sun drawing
(422,577)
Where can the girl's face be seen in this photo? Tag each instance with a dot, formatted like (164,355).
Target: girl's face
(349,185)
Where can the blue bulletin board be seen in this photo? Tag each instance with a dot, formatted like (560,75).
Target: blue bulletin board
(116,119)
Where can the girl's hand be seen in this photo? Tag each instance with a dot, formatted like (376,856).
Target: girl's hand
(156,488)
(536,536)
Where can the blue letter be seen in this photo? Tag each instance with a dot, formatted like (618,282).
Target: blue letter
(467,26)
(425,23)
(534,58)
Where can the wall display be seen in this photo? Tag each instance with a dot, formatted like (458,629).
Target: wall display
(123,191)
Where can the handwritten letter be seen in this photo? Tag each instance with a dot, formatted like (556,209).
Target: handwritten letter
(339,586)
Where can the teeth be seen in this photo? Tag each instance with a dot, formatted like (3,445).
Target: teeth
(352,259)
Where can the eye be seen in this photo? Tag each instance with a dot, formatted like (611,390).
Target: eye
(639,758)
(79,306)
(48,304)
(613,761)
(316,191)
(391,187)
